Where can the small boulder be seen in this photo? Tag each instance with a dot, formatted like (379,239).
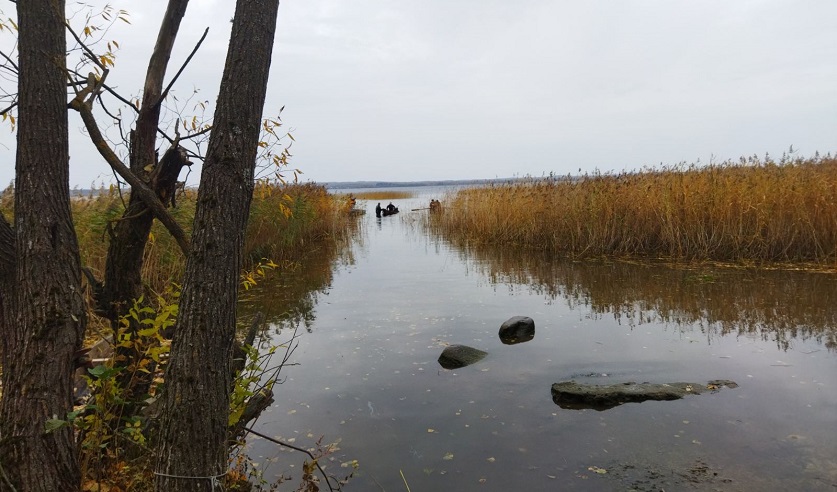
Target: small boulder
(517,329)
(456,356)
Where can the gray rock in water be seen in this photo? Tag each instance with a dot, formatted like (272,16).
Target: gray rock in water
(517,329)
(456,356)
(573,395)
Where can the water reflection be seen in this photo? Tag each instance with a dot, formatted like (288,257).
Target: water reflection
(369,377)
(773,305)
(288,295)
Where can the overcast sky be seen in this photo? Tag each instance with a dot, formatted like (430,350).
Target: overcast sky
(460,89)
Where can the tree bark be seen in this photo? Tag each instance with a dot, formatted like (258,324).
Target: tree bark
(198,379)
(7,277)
(45,328)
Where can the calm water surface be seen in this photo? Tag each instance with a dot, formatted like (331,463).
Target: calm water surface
(368,375)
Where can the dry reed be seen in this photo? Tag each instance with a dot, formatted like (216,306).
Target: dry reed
(286,223)
(750,211)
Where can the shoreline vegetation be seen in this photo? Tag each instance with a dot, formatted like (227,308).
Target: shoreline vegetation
(286,223)
(289,225)
(750,212)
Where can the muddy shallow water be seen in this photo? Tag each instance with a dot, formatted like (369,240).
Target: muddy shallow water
(376,323)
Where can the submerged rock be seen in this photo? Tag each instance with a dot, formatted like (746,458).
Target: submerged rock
(573,395)
(517,329)
(456,356)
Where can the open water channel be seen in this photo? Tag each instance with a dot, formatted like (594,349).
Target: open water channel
(373,324)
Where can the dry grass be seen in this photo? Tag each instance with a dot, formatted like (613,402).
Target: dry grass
(747,211)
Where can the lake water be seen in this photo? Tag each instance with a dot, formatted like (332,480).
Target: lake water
(373,324)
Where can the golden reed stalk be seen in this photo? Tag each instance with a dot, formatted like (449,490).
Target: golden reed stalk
(741,212)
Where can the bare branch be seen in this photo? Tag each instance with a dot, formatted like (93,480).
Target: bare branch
(113,116)
(11,107)
(107,88)
(183,67)
(87,51)
(139,187)
(301,450)
(197,134)
(116,95)
(4,55)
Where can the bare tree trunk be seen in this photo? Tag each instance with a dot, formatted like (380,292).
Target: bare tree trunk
(123,267)
(198,379)
(124,261)
(45,327)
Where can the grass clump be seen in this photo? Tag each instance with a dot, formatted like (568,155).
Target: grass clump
(749,211)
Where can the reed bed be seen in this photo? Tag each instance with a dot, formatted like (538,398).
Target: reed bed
(748,211)
(286,223)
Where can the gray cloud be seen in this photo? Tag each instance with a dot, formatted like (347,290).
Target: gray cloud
(378,89)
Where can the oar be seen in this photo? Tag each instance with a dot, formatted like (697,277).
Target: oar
(425,208)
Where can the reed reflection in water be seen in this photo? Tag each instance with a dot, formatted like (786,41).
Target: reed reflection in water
(368,374)
(770,304)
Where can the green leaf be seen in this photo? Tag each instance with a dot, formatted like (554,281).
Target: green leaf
(53,425)
(102,372)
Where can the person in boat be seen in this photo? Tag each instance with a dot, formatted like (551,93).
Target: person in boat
(435,205)
(390,207)
(378,210)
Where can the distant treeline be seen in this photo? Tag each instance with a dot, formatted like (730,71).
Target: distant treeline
(342,185)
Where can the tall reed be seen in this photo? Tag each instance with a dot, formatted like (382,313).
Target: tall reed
(747,211)
(286,222)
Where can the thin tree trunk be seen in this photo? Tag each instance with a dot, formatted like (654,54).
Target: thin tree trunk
(123,266)
(49,314)
(125,253)
(198,379)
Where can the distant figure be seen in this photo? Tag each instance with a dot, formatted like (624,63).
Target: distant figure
(390,207)
(435,205)
(378,210)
